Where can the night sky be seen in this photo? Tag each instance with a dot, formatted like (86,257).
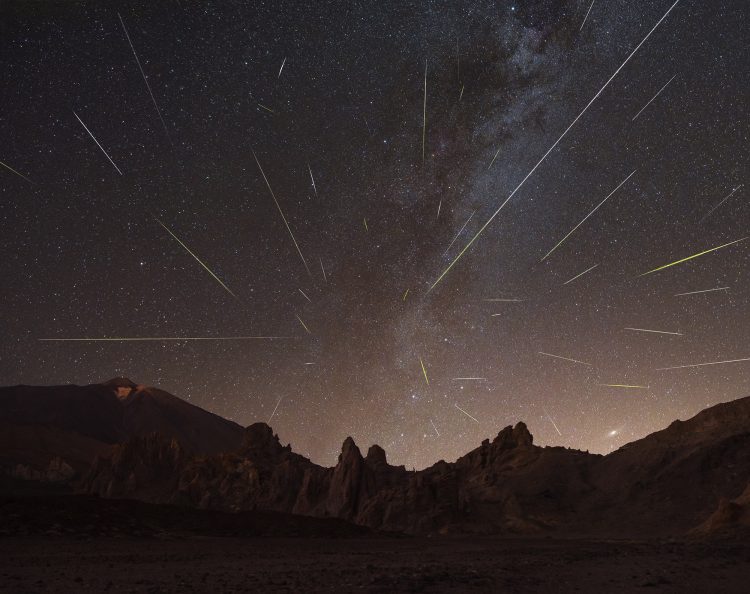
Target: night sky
(335,92)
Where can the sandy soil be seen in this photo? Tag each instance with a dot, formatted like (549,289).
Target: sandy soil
(215,564)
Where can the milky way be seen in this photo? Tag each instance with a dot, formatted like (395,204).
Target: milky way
(390,133)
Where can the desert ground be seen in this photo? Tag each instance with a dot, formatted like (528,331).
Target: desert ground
(383,564)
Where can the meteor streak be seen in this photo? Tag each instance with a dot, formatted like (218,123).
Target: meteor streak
(727,197)
(565,358)
(551,421)
(325,279)
(197,259)
(282,68)
(467,414)
(303,324)
(9,168)
(435,428)
(424,371)
(268,109)
(304,295)
(627,386)
(365,222)
(587,216)
(424,111)
(504,300)
(478,379)
(440,204)
(145,80)
(654,97)
(580,274)
(161,338)
(654,331)
(703,253)
(493,159)
(274,410)
(97,143)
(703,291)
(459,233)
(281,212)
(313,179)
(586,17)
(703,364)
(533,169)
(405,294)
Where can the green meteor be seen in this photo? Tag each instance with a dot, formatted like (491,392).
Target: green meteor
(703,253)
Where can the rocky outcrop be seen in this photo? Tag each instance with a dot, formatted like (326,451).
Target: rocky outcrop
(730,517)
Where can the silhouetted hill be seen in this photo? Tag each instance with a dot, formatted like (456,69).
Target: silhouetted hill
(667,483)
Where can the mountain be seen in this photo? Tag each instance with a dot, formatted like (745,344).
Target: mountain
(42,428)
(690,476)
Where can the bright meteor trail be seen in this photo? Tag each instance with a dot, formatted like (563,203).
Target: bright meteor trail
(143,74)
(85,127)
(197,259)
(533,169)
(467,414)
(161,338)
(703,291)
(424,371)
(580,274)
(703,364)
(565,358)
(9,168)
(281,212)
(586,217)
(693,256)
(654,97)
(654,331)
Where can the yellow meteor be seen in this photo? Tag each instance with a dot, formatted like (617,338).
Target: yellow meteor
(405,294)
(160,338)
(303,324)
(197,259)
(9,168)
(281,212)
(424,371)
(366,228)
(703,253)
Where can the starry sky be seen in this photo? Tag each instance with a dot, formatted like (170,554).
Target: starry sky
(389,133)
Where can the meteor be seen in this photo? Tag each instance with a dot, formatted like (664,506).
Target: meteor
(461,94)
(365,222)
(703,253)
(9,168)
(533,169)
(97,143)
(274,411)
(197,259)
(303,324)
(581,274)
(424,371)
(504,300)
(424,111)
(565,358)
(493,159)
(440,204)
(161,338)
(477,379)
(313,179)
(325,279)
(654,331)
(145,80)
(584,21)
(467,414)
(727,197)
(703,291)
(304,295)
(654,97)
(281,212)
(703,364)
(282,68)
(459,233)
(435,428)
(268,109)
(587,216)
(405,294)
(551,421)
(626,386)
